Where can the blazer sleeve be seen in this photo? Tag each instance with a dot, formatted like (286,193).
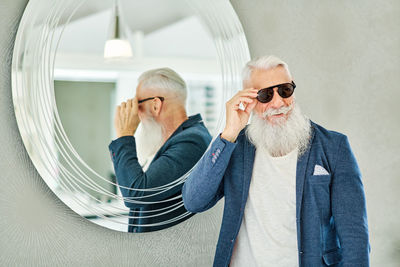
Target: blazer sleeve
(204,186)
(174,162)
(349,208)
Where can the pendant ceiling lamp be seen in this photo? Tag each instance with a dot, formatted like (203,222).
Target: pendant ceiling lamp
(117,46)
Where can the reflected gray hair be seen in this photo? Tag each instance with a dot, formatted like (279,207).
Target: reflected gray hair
(265,63)
(166,81)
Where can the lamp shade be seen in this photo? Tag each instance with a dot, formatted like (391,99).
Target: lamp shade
(117,48)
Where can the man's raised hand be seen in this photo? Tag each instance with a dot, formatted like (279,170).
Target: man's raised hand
(236,118)
(126,118)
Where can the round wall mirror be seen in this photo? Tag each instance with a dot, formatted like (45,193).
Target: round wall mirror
(75,62)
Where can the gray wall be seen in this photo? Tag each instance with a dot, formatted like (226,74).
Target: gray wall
(37,229)
(345,59)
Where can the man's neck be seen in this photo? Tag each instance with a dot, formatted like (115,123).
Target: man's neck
(172,123)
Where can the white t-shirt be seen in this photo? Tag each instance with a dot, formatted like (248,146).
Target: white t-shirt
(268,236)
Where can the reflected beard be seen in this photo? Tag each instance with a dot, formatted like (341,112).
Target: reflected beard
(284,135)
(148,140)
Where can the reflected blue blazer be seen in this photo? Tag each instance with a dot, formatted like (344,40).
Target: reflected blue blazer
(332,228)
(175,158)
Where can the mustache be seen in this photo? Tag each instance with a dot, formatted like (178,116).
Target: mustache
(275,111)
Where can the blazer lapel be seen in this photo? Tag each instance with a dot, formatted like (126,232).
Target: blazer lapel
(248,162)
(301,168)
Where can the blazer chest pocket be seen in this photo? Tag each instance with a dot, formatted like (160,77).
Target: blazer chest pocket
(319,187)
(320,179)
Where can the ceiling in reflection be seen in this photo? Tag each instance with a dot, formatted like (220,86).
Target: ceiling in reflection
(176,33)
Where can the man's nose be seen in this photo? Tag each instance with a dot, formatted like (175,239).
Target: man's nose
(277,100)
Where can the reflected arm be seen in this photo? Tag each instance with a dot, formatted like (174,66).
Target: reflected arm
(175,159)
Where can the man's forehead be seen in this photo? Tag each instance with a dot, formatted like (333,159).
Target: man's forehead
(144,91)
(138,89)
(262,78)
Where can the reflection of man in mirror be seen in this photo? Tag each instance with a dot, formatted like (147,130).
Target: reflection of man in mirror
(167,145)
(293,190)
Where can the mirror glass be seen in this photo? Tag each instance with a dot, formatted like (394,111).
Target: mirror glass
(75,62)
(89,86)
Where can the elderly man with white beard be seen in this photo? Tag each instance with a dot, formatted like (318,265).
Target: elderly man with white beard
(293,190)
(167,145)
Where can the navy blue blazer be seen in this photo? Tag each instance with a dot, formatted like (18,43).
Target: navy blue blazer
(175,158)
(332,228)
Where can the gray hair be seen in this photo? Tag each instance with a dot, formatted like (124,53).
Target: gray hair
(165,80)
(264,62)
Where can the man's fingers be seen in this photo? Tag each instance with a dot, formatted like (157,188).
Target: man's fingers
(250,107)
(246,99)
(243,94)
(117,111)
(135,104)
(244,104)
(129,103)
(249,90)
(248,94)
(122,110)
(236,102)
(117,116)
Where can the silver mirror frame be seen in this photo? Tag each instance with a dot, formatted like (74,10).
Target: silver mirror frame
(33,87)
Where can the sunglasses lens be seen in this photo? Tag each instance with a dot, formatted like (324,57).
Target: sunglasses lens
(265,95)
(286,90)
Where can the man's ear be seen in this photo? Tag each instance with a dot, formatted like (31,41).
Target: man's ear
(156,107)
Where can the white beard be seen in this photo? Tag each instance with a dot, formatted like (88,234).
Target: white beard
(148,141)
(284,135)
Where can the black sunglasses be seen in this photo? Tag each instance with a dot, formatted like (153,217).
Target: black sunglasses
(160,97)
(285,90)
